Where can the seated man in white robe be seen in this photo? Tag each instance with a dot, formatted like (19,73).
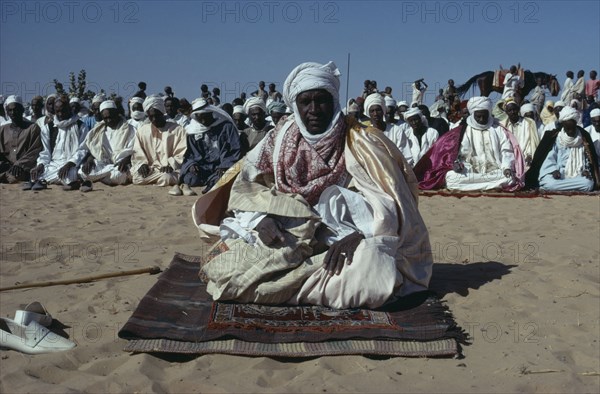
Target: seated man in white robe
(110,146)
(486,158)
(417,138)
(136,112)
(158,147)
(568,159)
(594,129)
(60,157)
(325,211)
(524,130)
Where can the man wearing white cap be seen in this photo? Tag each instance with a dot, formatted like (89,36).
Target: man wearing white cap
(566,159)
(110,146)
(239,118)
(20,143)
(256,110)
(594,129)
(417,137)
(299,234)
(524,129)
(486,158)
(60,157)
(158,148)
(390,110)
(213,145)
(402,108)
(136,112)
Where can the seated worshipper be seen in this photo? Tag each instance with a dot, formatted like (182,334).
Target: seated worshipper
(276,109)
(94,116)
(439,124)
(256,110)
(558,106)
(213,145)
(402,108)
(110,144)
(524,129)
(547,114)
(594,129)
(375,109)
(20,143)
(37,105)
(565,159)
(480,154)
(330,207)
(158,148)
(49,111)
(136,112)
(60,157)
(239,117)
(418,137)
(172,112)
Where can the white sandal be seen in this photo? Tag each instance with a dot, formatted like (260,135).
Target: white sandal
(33,311)
(31,338)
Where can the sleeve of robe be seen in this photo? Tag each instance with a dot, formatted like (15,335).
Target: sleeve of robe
(230,146)
(82,151)
(507,151)
(46,154)
(140,156)
(550,164)
(28,160)
(179,147)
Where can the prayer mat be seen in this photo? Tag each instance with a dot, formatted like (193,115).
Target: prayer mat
(500,194)
(177,315)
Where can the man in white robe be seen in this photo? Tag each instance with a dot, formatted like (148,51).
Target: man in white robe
(110,144)
(60,157)
(136,112)
(524,129)
(158,148)
(538,96)
(325,211)
(512,83)
(568,90)
(486,158)
(594,129)
(414,138)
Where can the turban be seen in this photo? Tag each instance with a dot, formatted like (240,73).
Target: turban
(374,99)
(254,102)
(201,106)
(135,100)
(353,107)
(550,103)
(309,76)
(108,104)
(155,102)
(510,101)
(99,98)
(568,113)
(13,99)
(560,103)
(390,102)
(595,112)
(412,112)
(276,106)
(478,104)
(238,109)
(74,100)
(527,108)
(402,104)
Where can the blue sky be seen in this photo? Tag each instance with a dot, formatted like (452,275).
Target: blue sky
(234,44)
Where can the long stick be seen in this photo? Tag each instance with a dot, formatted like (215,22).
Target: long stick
(150,270)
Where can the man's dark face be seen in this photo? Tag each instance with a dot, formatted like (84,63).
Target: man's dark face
(156,117)
(538,81)
(50,105)
(137,107)
(96,111)
(401,110)
(529,115)
(271,89)
(570,127)
(512,110)
(62,110)
(557,110)
(36,105)
(390,114)
(481,116)
(376,113)
(239,120)
(75,107)
(593,74)
(205,118)
(257,117)
(15,112)
(275,116)
(110,117)
(415,122)
(596,123)
(171,108)
(316,110)
(450,82)
(261,85)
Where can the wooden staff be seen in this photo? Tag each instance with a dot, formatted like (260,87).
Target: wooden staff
(150,270)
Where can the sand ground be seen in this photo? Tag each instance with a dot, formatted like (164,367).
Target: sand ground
(520,275)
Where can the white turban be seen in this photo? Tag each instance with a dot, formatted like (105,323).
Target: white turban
(559,103)
(201,106)
(238,109)
(99,98)
(568,113)
(155,102)
(527,108)
(108,104)
(402,103)
(353,107)
(74,100)
(595,112)
(374,99)
(412,112)
(309,76)
(13,99)
(390,102)
(136,115)
(135,100)
(254,102)
(478,104)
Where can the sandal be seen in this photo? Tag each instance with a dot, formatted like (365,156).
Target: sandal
(33,311)
(39,185)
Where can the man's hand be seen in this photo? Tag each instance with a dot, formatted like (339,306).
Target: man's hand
(341,252)
(194,169)
(88,166)
(528,160)
(508,173)
(144,170)
(168,169)
(556,174)
(36,172)
(64,170)
(124,164)
(270,232)
(458,166)
(586,174)
(16,171)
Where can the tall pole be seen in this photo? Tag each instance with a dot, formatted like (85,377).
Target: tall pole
(347,82)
